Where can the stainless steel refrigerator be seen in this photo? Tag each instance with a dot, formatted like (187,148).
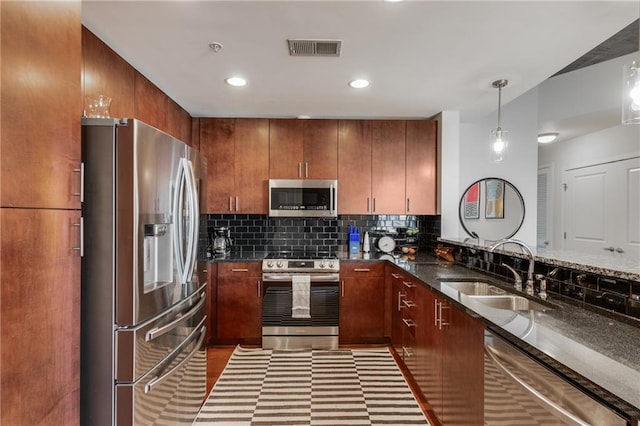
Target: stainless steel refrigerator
(143,359)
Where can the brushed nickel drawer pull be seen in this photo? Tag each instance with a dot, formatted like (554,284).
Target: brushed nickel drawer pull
(396,276)
(407,351)
(239,270)
(409,322)
(362,270)
(408,284)
(409,303)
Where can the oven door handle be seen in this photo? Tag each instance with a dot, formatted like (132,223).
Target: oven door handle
(313,277)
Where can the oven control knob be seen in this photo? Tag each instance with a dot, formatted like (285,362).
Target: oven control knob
(322,265)
(331,265)
(269,264)
(280,264)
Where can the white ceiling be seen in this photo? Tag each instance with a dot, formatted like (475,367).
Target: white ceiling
(422,57)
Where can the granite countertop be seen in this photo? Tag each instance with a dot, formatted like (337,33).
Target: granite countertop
(596,351)
(611,264)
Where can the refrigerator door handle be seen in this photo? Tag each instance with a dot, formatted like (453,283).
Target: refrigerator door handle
(178,206)
(159,379)
(194,210)
(159,331)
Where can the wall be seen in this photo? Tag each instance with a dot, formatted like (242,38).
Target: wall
(520,119)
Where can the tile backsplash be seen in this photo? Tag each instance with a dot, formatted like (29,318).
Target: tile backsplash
(262,233)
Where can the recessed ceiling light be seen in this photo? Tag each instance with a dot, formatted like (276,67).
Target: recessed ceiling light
(393,1)
(304,117)
(236,81)
(547,137)
(359,84)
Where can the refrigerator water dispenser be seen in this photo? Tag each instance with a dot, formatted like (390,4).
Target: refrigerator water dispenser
(158,256)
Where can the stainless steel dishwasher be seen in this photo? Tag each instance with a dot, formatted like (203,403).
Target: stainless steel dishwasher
(519,390)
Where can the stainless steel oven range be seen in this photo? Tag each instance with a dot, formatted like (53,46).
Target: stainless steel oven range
(301,300)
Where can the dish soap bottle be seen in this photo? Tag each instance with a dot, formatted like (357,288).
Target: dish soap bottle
(354,240)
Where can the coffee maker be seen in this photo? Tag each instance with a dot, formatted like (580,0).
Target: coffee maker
(221,241)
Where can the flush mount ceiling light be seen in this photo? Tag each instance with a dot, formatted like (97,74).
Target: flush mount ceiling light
(499,135)
(547,137)
(304,117)
(236,81)
(359,83)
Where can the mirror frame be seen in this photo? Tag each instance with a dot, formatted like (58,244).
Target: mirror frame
(462,223)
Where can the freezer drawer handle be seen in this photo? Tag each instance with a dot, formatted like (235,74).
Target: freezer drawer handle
(158,380)
(570,418)
(159,331)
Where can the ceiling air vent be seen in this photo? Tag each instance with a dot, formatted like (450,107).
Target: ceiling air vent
(300,47)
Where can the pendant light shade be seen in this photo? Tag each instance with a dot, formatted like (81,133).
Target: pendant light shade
(499,142)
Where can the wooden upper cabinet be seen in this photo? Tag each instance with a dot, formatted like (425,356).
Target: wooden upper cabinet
(237,152)
(354,167)
(320,152)
(285,149)
(179,125)
(388,166)
(105,72)
(151,103)
(41,104)
(421,163)
(303,149)
(217,145)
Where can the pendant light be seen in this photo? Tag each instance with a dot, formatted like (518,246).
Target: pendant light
(631,91)
(499,141)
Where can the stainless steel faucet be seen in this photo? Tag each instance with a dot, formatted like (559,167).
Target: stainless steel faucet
(518,281)
(529,284)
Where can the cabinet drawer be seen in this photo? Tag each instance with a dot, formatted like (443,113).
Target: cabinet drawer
(240,269)
(357,269)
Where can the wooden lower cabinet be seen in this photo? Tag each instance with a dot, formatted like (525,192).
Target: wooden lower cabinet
(239,295)
(443,349)
(362,302)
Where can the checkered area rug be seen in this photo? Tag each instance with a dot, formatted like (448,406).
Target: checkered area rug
(315,387)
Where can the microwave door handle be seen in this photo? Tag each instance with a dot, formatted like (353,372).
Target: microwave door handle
(570,418)
(331,199)
(178,205)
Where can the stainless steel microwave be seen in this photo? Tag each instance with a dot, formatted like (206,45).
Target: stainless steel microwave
(303,198)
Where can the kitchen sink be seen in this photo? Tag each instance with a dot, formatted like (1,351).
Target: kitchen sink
(510,302)
(475,288)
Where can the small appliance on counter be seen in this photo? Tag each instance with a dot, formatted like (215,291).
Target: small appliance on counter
(221,241)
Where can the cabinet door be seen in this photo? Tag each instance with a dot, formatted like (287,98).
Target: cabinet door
(320,149)
(217,144)
(251,165)
(421,185)
(429,348)
(151,103)
(40,317)
(41,104)
(354,167)
(362,310)
(388,166)
(239,303)
(285,149)
(105,72)
(463,368)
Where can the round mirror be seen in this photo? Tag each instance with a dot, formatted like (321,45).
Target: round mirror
(491,209)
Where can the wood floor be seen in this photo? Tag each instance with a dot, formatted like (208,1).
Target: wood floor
(218,356)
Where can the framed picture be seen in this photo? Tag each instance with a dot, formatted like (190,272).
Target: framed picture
(494,199)
(472,202)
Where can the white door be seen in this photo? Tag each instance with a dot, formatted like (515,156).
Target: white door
(602,205)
